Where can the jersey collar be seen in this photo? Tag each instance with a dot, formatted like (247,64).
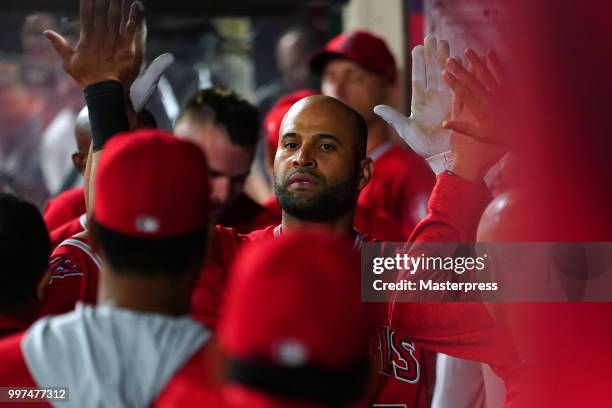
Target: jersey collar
(357,243)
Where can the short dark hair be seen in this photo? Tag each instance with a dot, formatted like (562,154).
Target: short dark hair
(24,252)
(168,257)
(225,107)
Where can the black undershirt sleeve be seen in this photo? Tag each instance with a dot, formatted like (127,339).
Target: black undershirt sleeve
(107,111)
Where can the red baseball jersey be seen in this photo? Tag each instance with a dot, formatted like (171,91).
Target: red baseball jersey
(464,330)
(68,229)
(74,271)
(401,185)
(64,207)
(402,364)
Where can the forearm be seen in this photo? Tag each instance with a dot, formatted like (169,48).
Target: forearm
(108,117)
(461,329)
(107,112)
(454,210)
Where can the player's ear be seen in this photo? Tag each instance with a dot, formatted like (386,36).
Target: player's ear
(78,160)
(41,289)
(366,169)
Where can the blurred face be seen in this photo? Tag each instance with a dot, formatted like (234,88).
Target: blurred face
(40,59)
(357,87)
(290,56)
(82,133)
(317,171)
(228,164)
(35,46)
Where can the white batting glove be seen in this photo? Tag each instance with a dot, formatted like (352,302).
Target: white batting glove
(145,85)
(431,106)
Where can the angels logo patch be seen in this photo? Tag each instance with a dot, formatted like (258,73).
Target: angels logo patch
(61,268)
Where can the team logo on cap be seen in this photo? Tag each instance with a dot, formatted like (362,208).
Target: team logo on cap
(291,353)
(147,224)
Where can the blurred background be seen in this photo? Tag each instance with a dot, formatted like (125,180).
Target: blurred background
(259,48)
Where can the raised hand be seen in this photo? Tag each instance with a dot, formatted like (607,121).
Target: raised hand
(488,96)
(473,156)
(107,44)
(431,101)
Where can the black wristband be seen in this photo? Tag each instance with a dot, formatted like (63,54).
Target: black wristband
(107,113)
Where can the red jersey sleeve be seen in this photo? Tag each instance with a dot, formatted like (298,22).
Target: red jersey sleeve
(74,277)
(65,231)
(462,329)
(209,289)
(453,211)
(66,206)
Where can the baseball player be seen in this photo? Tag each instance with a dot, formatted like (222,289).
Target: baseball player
(226,127)
(320,168)
(70,204)
(24,252)
(358,68)
(136,345)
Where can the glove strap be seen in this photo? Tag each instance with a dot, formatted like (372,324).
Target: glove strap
(440,162)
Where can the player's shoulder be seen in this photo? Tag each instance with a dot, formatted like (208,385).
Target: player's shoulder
(68,229)
(267,232)
(70,197)
(73,256)
(226,234)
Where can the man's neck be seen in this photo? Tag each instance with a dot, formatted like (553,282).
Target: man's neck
(145,294)
(342,226)
(378,133)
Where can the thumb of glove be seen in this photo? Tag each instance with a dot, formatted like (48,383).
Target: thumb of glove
(404,128)
(391,116)
(145,85)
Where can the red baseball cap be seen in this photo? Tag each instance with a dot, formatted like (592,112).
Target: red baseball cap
(275,116)
(361,47)
(295,302)
(150,184)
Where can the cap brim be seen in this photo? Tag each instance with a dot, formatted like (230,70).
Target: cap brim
(321,58)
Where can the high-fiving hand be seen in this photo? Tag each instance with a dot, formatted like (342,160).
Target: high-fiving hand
(478,128)
(107,44)
(431,102)
(488,95)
